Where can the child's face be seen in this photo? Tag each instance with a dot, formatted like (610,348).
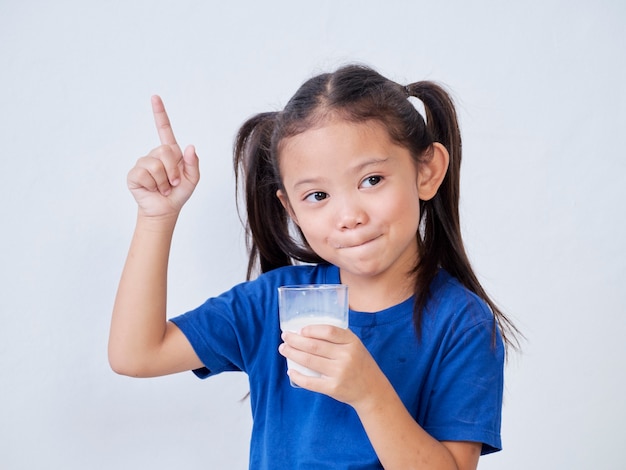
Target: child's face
(354,194)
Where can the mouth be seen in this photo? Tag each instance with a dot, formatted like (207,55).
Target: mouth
(342,246)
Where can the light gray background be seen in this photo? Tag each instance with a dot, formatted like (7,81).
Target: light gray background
(540,87)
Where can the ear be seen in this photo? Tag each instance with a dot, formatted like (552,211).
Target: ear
(431,173)
(284,200)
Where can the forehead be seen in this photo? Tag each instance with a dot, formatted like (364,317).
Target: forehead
(338,147)
(335,135)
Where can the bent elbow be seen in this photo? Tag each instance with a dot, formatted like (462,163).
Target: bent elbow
(120,367)
(129,370)
(122,364)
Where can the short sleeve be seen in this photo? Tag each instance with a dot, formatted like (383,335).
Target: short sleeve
(228,331)
(466,397)
(210,330)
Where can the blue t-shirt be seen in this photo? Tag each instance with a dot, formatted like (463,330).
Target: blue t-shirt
(450,380)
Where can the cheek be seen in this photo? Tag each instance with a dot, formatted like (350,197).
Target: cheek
(311,231)
(298,219)
(403,200)
(402,210)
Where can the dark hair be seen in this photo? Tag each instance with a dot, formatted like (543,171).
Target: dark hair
(358,94)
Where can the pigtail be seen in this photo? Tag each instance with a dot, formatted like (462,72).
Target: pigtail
(441,237)
(271,238)
(255,172)
(441,244)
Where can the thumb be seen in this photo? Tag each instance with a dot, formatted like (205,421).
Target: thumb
(191,166)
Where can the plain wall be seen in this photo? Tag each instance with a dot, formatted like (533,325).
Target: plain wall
(541,93)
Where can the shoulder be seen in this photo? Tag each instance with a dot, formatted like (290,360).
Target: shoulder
(458,313)
(449,296)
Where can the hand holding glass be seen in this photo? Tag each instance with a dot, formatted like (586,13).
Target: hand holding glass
(315,304)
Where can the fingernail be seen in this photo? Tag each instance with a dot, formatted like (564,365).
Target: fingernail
(175,182)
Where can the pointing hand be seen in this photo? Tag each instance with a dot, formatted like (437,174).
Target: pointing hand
(162,181)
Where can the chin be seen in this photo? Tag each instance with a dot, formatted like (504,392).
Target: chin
(362,271)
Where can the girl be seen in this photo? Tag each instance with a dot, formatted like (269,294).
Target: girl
(348,184)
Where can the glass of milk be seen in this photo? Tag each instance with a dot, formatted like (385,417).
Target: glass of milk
(313,304)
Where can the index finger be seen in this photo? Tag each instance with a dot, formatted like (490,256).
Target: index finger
(162,121)
(330,333)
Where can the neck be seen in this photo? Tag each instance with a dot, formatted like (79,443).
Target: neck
(373,295)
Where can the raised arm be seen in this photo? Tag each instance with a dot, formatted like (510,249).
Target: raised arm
(142,342)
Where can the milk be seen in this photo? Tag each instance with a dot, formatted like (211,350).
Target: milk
(297,323)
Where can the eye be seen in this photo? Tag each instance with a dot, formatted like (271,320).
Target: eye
(371,181)
(317,196)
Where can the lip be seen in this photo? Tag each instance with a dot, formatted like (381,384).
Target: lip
(358,244)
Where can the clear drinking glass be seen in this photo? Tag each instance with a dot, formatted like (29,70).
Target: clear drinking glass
(313,304)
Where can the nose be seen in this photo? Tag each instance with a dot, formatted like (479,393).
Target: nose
(350,213)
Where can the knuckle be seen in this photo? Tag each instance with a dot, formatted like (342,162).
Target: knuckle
(149,162)
(164,126)
(159,153)
(138,173)
(331,331)
(307,361)
(301,357)
(153,164)
(315,347)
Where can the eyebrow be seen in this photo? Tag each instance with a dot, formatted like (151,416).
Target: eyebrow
(371,162)
(358,168)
